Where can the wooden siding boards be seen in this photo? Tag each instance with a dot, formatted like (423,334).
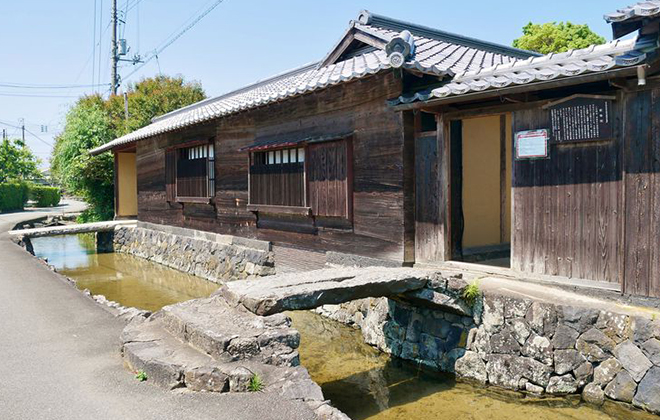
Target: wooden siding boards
(327,172)
(566,209)
(359,107)
(642,193)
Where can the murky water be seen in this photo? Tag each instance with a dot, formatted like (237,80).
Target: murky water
(123,278)
(358,379)
(366,384)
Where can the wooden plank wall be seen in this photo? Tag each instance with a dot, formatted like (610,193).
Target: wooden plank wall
(641,246)
(567,209)
(328,179)
(378,185)
(281,185)
(431,156)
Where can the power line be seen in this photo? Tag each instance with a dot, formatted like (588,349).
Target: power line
(100,40)
(173,39)
(40,86)
(27,131)
(29,95)
(38,138)
(93,46)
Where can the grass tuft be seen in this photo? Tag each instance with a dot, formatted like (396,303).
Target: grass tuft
(256,383)
(141,375)
(471,293)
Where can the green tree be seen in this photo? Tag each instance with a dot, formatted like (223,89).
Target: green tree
(556,37)
(150,98)
(87,126)
(93,121)
(17,162)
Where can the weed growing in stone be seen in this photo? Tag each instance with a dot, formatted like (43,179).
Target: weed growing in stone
(141,375)
(256,383)
(471,293)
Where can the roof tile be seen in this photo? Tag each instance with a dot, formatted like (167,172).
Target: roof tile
(436,53)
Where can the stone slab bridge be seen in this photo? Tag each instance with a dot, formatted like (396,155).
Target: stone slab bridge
(104,231)
(332,286)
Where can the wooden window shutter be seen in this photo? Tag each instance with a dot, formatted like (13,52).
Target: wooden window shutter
(330,181)
(170,174)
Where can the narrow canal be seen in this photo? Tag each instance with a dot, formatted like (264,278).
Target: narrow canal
(359,380)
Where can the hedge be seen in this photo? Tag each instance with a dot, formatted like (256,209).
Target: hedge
(45,196)
(13,196)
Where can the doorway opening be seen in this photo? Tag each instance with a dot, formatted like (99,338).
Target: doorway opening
(481,154)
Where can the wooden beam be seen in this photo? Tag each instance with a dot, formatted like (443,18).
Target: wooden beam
(116,177)
(503,192)
(300,211)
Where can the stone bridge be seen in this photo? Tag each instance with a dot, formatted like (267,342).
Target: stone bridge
(104,231)
(332,286)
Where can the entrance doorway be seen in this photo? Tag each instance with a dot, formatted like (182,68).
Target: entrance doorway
(481,190)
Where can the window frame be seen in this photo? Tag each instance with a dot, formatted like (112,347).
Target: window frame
(211,179)
(271,155)
(274,157)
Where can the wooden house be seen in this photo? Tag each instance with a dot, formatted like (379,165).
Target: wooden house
(418,146)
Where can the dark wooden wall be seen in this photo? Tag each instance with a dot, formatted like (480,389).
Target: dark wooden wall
(641,241)
(567,209)
(378,182)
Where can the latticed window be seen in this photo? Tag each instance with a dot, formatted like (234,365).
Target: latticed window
(277,177)
(316,178)
(190,173)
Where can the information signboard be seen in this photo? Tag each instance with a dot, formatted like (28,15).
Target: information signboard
(532,144)
(581,118)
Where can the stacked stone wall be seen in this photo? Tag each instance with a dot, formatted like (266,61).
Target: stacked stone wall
(214,260)
(520,344)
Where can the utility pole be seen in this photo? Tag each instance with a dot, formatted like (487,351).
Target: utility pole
(22,121)
(115,56)
(126,105)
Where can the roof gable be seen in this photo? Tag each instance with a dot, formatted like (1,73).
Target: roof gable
(354,39)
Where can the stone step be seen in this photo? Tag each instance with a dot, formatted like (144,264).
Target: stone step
(311,289)
(232,333)
(168,362)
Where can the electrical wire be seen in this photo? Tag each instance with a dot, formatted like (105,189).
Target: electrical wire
(171,39)
(47,86)
(39,138)
(36,95)
(27,131)
(100,41)
(93,45)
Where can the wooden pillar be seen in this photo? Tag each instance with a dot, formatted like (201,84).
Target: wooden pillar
(408,123)
(116,177)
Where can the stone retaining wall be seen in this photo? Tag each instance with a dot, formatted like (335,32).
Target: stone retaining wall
(520,344)
(214,257)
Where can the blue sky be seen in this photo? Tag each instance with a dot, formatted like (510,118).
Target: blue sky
(51,42)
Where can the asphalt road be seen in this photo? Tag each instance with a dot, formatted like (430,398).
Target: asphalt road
(59,355)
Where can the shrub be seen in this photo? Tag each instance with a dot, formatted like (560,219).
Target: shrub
(45,196)
(13,196)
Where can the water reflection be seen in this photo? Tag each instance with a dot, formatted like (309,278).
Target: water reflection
(366,384)
(123,278)
(362,382)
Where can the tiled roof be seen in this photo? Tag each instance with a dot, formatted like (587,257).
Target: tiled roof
(596,58)
(640,10)
(435,52)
